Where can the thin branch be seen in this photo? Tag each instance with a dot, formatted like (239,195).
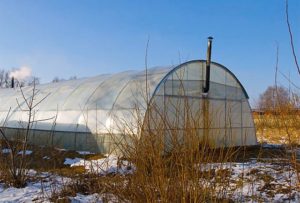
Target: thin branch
(291,35)
(7,115)
(146,67)
(20,105)
(289,80)
(41,100)
(147,90)
(276,65)
(24,97)
(276,71)
(2,131)
(45,119)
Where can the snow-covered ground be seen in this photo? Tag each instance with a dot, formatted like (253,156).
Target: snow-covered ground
(85,152)
(269,180)
(27,152)
(109,165)
(38,191)
(86,198)
(69,161)
(41,190)
(274,181)
(34,192)
(7,151)
(46,183)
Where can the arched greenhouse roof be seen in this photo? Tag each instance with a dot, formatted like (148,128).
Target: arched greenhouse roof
(72,102)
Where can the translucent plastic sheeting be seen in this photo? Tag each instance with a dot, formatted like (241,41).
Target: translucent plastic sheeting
(70,103)
(224,112)
(89,109)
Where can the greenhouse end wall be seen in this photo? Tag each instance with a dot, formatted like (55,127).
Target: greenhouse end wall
(222,116)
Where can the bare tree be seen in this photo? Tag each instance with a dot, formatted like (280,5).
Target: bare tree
(273,97)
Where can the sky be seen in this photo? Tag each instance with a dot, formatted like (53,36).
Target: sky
(84,38)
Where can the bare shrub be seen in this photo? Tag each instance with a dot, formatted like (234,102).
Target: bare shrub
(15,164)
(174,155)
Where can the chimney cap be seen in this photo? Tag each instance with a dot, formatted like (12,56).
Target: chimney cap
(210,38)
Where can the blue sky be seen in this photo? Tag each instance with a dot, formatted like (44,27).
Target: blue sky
(86,38)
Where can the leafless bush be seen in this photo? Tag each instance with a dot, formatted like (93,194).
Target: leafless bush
(16,162)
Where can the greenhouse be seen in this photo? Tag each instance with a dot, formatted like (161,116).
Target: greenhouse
(89,113)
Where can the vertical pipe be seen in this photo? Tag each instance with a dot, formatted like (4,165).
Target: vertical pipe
(206,112)
(208,61)
(13,82)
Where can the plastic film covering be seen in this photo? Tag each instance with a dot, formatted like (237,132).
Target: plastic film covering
(222,115)
(70,101)
(92,113)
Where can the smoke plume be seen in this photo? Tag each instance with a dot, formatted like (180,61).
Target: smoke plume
(21,73)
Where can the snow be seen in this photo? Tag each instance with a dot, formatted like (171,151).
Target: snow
(26,194)
(32,172)
(41,191)
(263,180)
(60,149)
(109,165)
(96,198)
(86,198)
(27,152)
(84,152)
(69,161)
(38,191)
(266,180)
(6,151)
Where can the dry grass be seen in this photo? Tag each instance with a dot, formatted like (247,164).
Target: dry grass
(174,165)
(278,129)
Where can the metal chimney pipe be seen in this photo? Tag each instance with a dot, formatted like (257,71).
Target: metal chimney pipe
(13,82)
(208,61)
